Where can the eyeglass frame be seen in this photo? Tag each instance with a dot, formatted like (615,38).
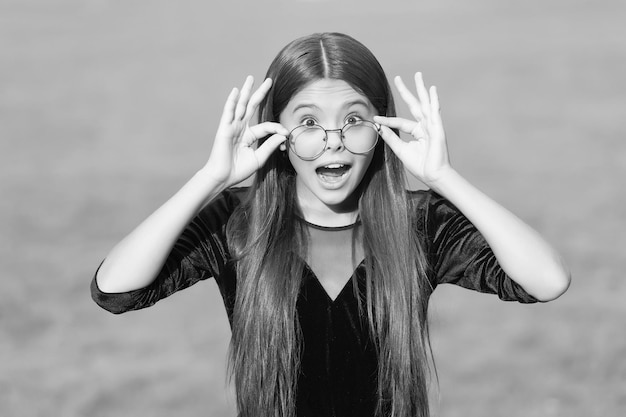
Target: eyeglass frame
(341,136)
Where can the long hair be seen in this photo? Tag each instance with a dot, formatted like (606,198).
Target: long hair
(267,242)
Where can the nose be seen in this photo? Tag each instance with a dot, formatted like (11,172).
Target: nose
(334,139)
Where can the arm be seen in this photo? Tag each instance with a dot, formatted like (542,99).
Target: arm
(138,258)
(523,254)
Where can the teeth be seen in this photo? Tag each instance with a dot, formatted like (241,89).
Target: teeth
(333,166)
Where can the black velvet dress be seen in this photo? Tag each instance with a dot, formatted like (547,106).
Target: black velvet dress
(339,362)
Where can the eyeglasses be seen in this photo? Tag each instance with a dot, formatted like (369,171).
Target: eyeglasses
(309,142)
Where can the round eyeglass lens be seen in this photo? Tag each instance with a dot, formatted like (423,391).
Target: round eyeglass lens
(360,137)
(308,142)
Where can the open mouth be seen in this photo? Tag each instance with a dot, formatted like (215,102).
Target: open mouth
(333,172)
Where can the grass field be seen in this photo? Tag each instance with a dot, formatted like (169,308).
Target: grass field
(107,107)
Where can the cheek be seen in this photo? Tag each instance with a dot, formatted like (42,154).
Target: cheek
(366,161)
(297,164)
(366,167)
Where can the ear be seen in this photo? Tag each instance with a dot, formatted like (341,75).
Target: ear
(282,147)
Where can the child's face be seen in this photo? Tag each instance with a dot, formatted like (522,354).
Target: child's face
(330,180)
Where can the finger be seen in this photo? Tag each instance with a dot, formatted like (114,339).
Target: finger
(413,103)
(411,127)
(422,94)
(264,150)
(434,102)
(258,96)
(229,107)
(268,128)
(242,103)
(391,139)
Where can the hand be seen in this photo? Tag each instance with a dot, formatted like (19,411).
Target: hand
(425,153)
(234,156)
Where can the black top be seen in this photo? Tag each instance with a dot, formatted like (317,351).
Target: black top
(339,362)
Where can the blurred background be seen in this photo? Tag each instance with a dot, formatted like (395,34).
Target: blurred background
(107,107)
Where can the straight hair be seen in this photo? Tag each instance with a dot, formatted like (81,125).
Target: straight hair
(268,244)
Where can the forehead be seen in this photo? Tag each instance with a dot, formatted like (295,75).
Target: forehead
(327,95)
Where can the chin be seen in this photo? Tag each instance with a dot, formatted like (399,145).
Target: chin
(340,198)
(344,196)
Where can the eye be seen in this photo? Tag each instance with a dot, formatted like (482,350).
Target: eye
(308,122)
(353,119)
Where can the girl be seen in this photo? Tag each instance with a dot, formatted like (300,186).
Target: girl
(326,263)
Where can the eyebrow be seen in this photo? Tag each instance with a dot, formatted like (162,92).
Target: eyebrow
(359,102)
(305,106)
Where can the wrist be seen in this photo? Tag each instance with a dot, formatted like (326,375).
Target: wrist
(445,182)
(207,176)
(205,185)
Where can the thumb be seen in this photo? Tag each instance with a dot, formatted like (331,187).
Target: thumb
(268,147)
(391,139)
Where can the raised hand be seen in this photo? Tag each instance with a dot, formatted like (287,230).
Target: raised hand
(424,153)
(234,156)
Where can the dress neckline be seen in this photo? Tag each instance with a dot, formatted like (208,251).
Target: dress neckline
(331,228)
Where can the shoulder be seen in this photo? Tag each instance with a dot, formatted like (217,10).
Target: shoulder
(435,219)
(427,204)
(227,201)
(233,197)
(216,214)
